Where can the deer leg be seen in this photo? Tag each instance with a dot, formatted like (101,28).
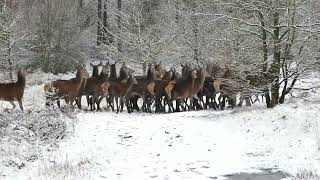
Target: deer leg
(122,104)
(58,103)
(78,101)
(177,105)
(186,106)
(96,101)
(144,104)
(71,100)
(151,100)
(223,103)
(191,107)
(129,105)
(117,104)
(13,105)
(110,100)
(20,104)
(88,99)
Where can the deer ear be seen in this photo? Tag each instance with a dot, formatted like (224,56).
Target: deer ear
(100,63)
(108,63)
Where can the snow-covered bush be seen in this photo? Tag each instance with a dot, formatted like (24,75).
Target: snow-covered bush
(306,175)
(23,135)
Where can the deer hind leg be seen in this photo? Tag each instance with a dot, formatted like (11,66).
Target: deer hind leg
(58,103)
(110,101)
(122,103)
(96,101)
(88,100)
(13,105)
(70,101)
(117,104)
(20,104)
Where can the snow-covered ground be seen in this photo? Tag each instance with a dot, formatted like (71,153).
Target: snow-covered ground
(188,145)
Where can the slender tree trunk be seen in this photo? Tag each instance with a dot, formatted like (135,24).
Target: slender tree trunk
(195,28)
(119,5)
(285,69)
(275,66)
(265,75)
(10,62)
(80,3)
(107,38)
(99,28)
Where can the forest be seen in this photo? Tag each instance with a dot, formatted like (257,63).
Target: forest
(186,71)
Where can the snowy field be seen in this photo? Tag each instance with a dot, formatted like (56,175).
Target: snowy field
(188,145)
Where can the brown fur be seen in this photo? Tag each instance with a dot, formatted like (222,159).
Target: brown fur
(169,87)
(120,90)
(14,91)
(198,82)
(66,89)
(183,86)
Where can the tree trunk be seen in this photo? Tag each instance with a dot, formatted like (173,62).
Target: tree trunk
(119,25)
(195,29)
(10,62)
(99,28)
(107,37)
(265,75)
(275,66)
(80,3)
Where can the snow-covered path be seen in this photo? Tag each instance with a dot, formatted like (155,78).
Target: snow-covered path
(193,145)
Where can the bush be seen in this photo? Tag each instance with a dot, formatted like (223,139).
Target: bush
(23,135)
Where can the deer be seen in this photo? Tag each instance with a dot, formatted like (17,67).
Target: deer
(197,86)
(211,87)
(113,77)
(97,87)
(95,73)
(65,89)
(182,88)
(158,70)
(119,90)
(14,91)
(142,90)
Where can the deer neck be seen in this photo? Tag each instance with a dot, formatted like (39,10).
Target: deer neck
(79,78)
(21,80)
(103,76)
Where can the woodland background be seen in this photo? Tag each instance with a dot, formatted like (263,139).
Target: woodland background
(277,41)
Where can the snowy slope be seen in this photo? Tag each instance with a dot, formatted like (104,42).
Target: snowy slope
(189,145)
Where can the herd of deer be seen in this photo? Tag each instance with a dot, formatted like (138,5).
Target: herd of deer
(160,90)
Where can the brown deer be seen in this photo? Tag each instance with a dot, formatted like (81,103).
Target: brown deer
(197,86)
(211,87)
(144,89)
(113,71)
(183,87)
(14,91)
(167,75)
(93,87)
(158,70)
(65,89)
(95,73)
(119,90)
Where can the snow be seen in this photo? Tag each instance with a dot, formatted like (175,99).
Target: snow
(188,145)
